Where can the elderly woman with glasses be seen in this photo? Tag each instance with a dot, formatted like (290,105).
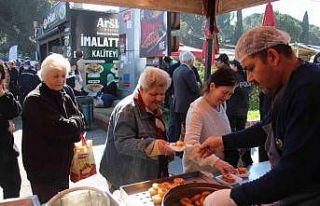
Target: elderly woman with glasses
(51,124)
(136,147)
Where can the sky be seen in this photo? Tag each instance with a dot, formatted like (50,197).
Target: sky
(294,8)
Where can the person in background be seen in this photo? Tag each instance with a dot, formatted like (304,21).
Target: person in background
(222,61)
(316,58)
(237,109)
(186,90)
(10,179)
(74,80)
(51,125)
(13,78)
(199,82)
(111,86)
(172,66)
(109,91)
(207,117)
(28,80)
(136,147)
(290,134)
(81,68)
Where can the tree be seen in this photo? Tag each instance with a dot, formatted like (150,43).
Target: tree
(238,28)
(16,23)
(283,21)
(191,29)
(304,38)
(226,28)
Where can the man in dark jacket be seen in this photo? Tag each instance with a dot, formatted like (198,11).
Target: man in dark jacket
(290,134)
(237,109)
(186,90)
(10,179)
(28,80)
(13,76)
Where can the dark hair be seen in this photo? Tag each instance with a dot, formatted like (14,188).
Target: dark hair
(284,49)
(2,71)
(222,77)
(167,59)
(79,54)
(317,58)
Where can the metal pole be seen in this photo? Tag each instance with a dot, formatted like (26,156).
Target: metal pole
(169,49)
(208,59)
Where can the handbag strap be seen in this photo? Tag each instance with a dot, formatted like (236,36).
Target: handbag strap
(83,140)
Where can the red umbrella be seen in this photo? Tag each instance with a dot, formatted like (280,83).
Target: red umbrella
(268,18)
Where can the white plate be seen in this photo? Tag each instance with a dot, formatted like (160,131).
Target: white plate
(178,148)
(237,180)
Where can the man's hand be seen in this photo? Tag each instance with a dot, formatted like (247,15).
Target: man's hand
(210,146)
(224,167)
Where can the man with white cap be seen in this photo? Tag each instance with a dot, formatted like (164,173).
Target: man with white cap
(291,133)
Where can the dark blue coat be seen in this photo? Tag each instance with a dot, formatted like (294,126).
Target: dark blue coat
(186,89)
(296,123)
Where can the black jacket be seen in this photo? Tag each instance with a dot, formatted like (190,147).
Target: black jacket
(51,124)
(238,104)
(296,125)
(186,89)
(9,108)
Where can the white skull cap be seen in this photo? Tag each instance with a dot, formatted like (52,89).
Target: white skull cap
(258,39)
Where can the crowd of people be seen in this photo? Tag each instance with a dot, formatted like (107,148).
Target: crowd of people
(209,117)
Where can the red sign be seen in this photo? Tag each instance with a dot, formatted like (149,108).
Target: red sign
(153,40)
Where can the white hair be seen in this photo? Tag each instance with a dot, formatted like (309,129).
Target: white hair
(54,61)
(186,56)
(152,77)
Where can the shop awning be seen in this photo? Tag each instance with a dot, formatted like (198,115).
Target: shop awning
(188,6)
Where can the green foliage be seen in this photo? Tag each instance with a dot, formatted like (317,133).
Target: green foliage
(314,34)
(238,28)
(16,24)
(225,27)
(191,29)
(253,115)
(304,38)
(254,98)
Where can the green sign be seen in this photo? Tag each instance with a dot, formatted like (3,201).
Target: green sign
(97,37)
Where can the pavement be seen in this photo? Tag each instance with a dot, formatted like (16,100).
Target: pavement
(96,134)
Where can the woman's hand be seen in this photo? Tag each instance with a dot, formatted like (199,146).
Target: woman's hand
(12,127)
(164,148)
(223,167)
(2,89)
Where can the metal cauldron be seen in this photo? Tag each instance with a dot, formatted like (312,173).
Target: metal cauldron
(173,196)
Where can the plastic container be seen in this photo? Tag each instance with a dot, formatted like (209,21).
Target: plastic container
(80,196)
(85,104)
(23,201)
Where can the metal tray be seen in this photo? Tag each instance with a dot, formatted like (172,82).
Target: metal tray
(137,194)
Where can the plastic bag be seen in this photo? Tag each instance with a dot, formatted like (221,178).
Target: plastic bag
(83,164)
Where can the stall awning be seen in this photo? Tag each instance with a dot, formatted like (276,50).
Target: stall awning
(187,6)
(196,52)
